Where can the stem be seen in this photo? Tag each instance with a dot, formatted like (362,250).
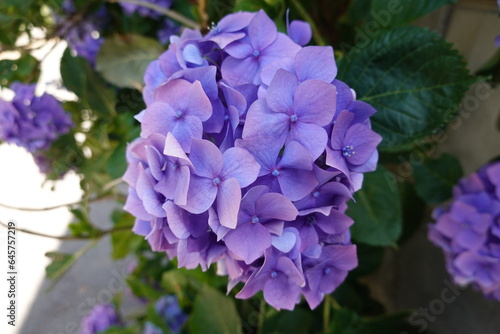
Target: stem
(326,314)
(305,15)
(48,208)
(262,308)
(167,12)
(202,11)
(100,233)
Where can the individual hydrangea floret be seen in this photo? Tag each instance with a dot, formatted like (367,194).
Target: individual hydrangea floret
(31,121)
(245,159)
(100,318)
(468,231)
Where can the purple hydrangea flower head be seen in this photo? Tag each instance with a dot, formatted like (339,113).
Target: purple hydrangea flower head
(83,36)
(100,318)
(234,163)
(132,8)
(468,231)
(169,310)
(31,121)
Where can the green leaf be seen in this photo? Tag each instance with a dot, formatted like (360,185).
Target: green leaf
(122,60)
(140,288)
(346,321)
(92,91)
(62,262)
(392,13)
(376,211)
(123,240)
(24,69)
(404,11)
(214,313)
(434,179)
(412,77)
(369,259)
(117,164)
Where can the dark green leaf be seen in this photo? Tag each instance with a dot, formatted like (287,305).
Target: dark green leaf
(92,91)
(414,210)
(62,262)
(24,69)
(434,179)
(412,77)
(122,60)
(377,211)
(391,13)
(369,259)
(123,240)
(214,313)
(142,289)
(403,11)
(117,163)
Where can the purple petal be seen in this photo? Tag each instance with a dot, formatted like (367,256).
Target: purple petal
(248,241)
(300,32)
(284,242)
(296,183)
(315,102)
(262,31)
(206,158)
(241,165)
(176,218)
(316,62)
(201,194)
(280,92)
(239,71)
(311,136)
(228,202)
(275,206)
(261,121)
(296,156)
(363,140)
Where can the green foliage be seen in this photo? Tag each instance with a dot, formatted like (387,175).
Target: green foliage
(346,321)
(434,179)
(123,240)
(25,69)
(412,77)
(214,313)
(392,13)
(122,60)
(376,211)
(93,92)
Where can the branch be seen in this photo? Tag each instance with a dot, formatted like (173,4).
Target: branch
(167,12)
(48,208)
(99,234)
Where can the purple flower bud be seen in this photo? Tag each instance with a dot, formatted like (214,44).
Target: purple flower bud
(100,318)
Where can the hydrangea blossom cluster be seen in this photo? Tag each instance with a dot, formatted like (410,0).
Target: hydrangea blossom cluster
(83,33)
(31,121)
(249,150)
(100,319)
(468,231)
(169,310)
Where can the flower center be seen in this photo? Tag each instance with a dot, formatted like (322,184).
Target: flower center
(256,54)
(310,220)
(275,172)
(175,165)
(274,274)
(316,194)
(216,181)
(327,270)
(348,151)
(255,219)
(226,117)
(179,114)
(294,118)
